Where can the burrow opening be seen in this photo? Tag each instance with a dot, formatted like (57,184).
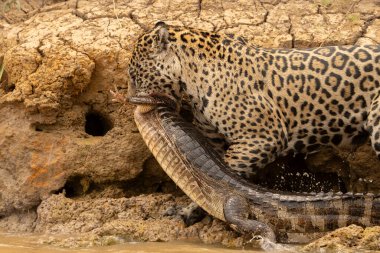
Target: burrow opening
(97,124)
(76,186)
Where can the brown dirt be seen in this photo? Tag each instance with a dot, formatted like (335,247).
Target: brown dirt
(348,239)
(59,173)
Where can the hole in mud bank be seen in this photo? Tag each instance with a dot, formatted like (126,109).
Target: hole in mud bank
(97,124)
(10,87)
(38,128)
(76,186)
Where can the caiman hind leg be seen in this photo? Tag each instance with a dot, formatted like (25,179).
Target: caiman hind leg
(236,212)
(373,125)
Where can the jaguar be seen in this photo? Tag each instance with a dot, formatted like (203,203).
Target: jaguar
(265,103)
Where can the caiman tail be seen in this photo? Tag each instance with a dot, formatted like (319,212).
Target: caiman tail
(190,161)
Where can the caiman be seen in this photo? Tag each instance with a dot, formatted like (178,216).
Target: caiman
(196,168)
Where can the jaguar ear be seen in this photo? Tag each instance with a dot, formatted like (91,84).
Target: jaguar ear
(162,36)
(159,23)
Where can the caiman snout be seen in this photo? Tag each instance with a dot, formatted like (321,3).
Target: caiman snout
(153,100)
(145,103)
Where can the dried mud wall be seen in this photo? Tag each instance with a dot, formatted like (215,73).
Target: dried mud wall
(72,160)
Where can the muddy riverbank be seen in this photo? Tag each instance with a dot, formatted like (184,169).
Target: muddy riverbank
(72,160)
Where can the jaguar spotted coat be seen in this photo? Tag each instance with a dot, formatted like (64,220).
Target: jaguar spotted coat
(264,102)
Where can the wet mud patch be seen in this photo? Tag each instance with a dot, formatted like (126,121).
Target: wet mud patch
(293,174)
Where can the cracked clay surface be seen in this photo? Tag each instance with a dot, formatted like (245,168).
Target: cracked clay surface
(59,175)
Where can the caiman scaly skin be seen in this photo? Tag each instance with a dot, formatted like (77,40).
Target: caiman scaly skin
(188,159)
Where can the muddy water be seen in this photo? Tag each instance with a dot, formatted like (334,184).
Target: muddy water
(10,243)
(26,243)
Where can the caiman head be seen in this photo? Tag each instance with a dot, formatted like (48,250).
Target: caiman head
(155,70)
